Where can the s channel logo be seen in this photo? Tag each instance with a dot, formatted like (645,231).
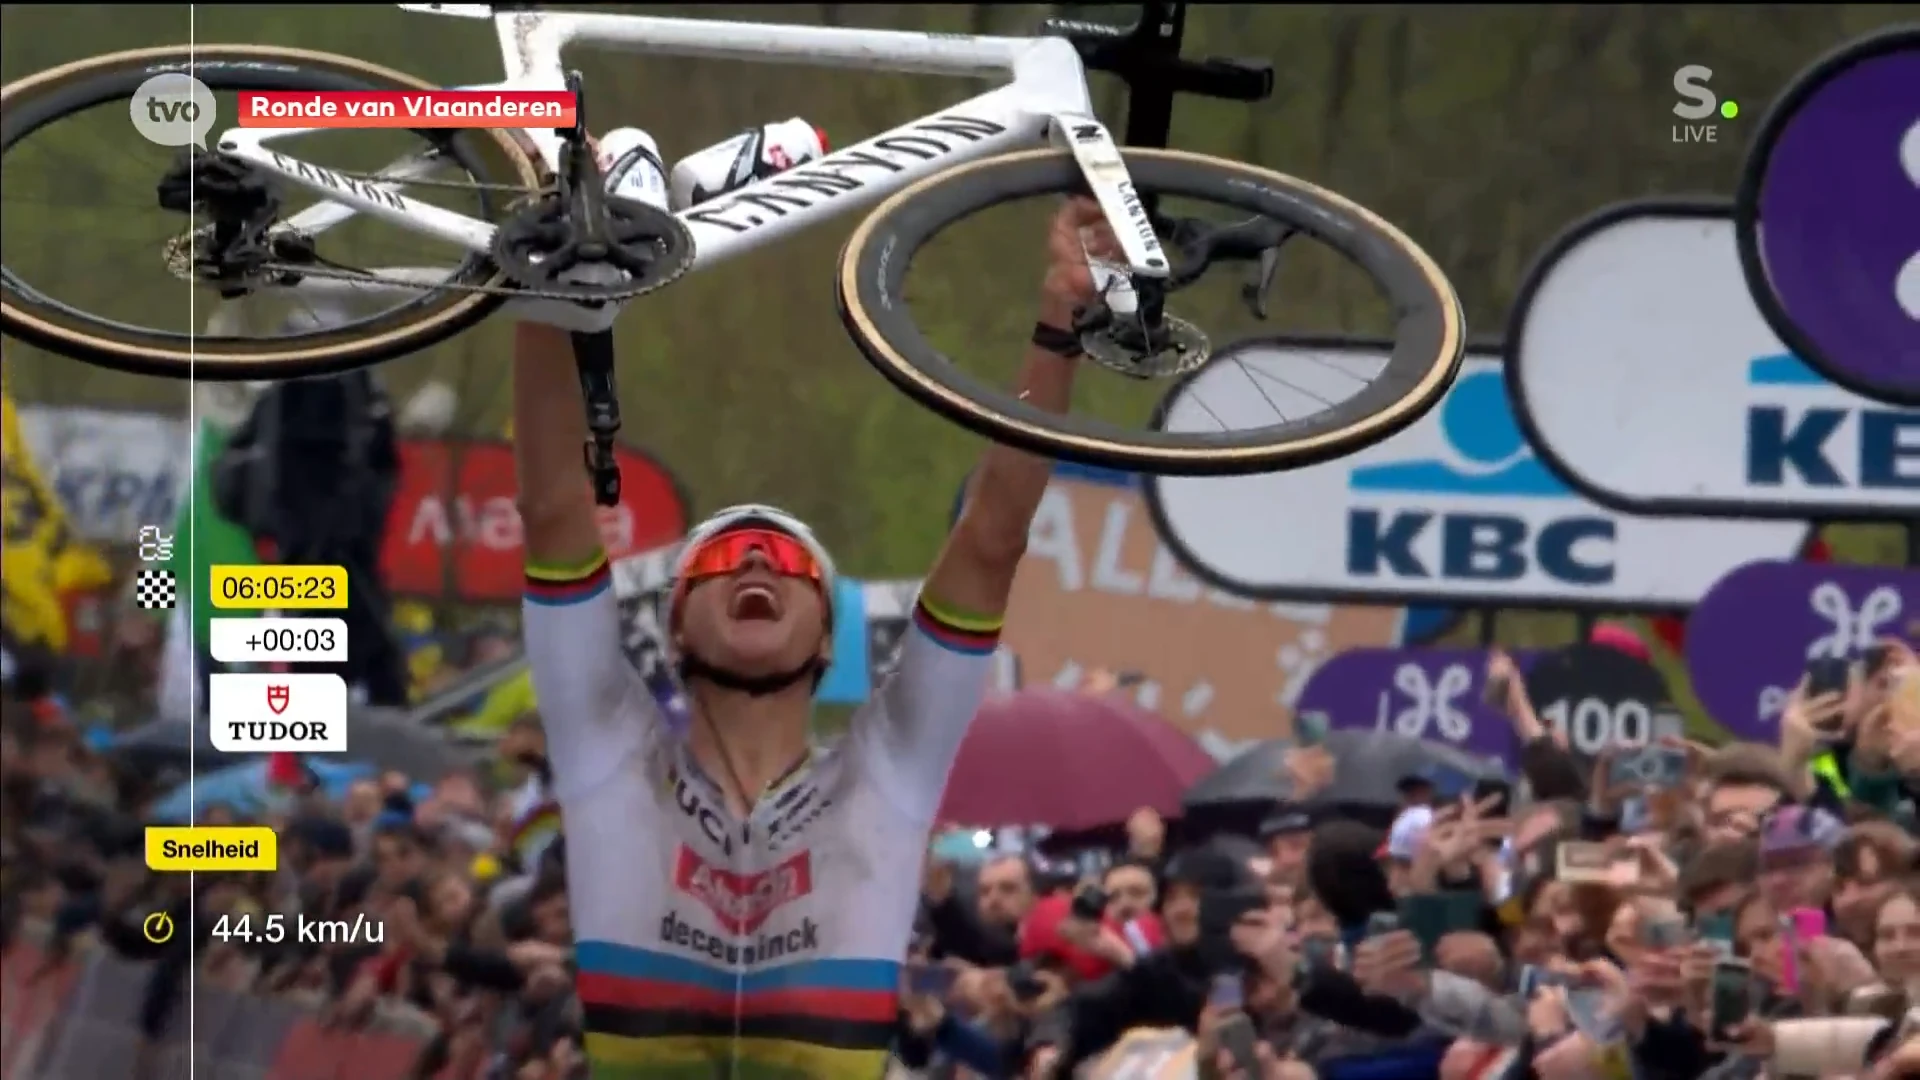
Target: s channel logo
(1488,510)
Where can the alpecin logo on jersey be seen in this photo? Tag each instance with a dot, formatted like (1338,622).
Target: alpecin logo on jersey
(741,903)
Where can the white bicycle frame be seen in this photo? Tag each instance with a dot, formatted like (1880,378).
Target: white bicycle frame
(1046,96)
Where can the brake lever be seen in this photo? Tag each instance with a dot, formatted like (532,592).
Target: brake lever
(1254,293)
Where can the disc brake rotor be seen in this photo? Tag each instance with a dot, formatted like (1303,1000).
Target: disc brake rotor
(1181,347)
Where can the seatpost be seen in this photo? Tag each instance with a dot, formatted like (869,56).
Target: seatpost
(593,359)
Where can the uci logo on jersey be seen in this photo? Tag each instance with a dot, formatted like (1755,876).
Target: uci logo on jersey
(1804,432)
(694,808)
(1487,510)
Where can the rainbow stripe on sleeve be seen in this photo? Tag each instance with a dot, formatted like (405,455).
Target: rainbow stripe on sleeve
(561,585)
(975,635)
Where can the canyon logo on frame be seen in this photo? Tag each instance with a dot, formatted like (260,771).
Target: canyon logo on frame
(1750,640)
(1100,603)
(1691,405)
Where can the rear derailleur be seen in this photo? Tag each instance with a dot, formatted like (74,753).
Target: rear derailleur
(235,243)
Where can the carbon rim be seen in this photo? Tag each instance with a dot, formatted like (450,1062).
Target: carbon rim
(38,101)
(1428,344)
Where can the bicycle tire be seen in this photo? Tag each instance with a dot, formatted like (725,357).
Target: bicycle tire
(1429,341)
(38,101)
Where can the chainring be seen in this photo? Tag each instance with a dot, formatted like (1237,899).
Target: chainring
(651,240)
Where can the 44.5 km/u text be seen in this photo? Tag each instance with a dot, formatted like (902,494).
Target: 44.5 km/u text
(246,929)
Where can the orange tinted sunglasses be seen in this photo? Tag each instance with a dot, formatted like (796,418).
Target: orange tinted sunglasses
(728,552)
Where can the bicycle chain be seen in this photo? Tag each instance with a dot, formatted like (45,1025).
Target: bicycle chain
(510,291)
(526,193)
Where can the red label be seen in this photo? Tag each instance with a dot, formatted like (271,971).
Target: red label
(741,903)
(454,530)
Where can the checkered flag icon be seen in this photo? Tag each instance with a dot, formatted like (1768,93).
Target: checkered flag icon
(153,590)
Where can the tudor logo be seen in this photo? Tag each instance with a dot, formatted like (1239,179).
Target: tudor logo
(741,903)
(278,698)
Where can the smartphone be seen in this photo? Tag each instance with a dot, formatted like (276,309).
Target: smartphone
(930,980)
(1717,929)
(1579,863)
(1807,923)
(1382,922)
(1826,675)
(1023,982)
(1653,766)
(1533,978)
(1320,951)
(1732,995)
(1432,916)
(1873,660)
(1587,1010)
(1227,992)
(1310,728)
(1663,933)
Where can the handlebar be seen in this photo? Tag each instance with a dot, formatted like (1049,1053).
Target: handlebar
(1146,57)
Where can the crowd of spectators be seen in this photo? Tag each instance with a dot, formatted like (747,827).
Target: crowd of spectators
(1756,913)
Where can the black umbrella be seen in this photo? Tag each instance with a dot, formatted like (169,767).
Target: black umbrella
(1368,767)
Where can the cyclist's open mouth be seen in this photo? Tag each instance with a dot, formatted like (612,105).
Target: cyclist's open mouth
(754,601)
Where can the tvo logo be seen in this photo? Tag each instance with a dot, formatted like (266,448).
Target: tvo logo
(1827,447)
(1422,545)
(1426,702)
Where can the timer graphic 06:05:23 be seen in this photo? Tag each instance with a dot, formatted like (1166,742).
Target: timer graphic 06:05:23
(296,640)
(280,588)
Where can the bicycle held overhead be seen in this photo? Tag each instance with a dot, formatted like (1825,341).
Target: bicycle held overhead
(546,228)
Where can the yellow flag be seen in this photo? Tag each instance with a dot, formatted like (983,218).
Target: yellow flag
(39,558)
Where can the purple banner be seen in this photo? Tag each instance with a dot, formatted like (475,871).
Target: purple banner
(1434,694)
(1839,214)
(1751,637)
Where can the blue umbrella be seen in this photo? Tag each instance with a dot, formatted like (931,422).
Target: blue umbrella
(245,789)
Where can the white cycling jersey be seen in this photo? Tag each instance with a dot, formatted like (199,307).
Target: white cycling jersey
(710,947)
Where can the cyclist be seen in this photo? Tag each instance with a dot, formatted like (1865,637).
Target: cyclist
(741,902)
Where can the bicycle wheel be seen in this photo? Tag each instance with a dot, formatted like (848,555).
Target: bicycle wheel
(489,159)
(1428,341)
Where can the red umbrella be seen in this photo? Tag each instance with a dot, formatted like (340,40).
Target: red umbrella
(1068,761)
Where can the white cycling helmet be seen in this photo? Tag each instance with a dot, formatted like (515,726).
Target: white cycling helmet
(748,515)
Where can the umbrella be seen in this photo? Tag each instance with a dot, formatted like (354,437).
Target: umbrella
(1068,761)
(1368,766)
(246,788)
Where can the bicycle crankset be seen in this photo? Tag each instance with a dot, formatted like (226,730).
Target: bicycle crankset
(638,249)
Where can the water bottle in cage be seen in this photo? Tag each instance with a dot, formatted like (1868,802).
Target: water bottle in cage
(630,160)
(754,154)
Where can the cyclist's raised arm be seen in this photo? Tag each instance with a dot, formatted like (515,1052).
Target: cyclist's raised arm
(590,697)
(943,667)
